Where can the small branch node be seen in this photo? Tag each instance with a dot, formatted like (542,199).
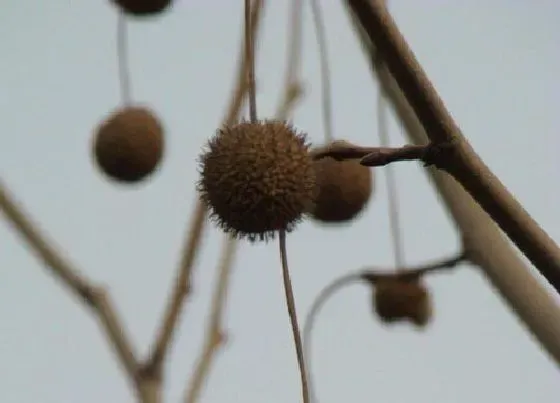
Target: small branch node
(438,154)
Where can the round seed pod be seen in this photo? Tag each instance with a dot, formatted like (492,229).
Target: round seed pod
(257,178)
(129,144)
(396,300)
(143,8)
(343,189)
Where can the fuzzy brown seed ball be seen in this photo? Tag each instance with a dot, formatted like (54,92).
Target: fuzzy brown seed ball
(128,146)
(143,8)
(396,300)
(257,178)
(343,189)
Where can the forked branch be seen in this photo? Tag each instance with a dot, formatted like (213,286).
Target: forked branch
(467,167)
(93,296)
(528,299)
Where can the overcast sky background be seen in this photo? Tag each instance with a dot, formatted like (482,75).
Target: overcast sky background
(495,64)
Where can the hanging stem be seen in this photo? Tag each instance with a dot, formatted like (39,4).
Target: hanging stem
(392,195)
(122,59)
(291,304)
(250,57)
(313,313)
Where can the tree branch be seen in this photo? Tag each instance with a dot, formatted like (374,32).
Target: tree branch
(94,297)
(182,283)
(487,247)
(379,156)
(214,333)
(464,164)
(372,275)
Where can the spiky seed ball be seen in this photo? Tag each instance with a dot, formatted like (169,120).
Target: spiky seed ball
(128,145)
(396,299)
(343,188)
(143,8)
(257,178)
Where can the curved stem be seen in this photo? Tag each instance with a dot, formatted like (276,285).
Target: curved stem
(309,323)
(369,275)
(291,304)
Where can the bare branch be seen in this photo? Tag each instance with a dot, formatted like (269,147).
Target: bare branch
(429,154)
(378,156)
(180,291)
(214,334)
(192,246)
(372,275)
(326,96)
(487,247)
(91,295)
(464,164)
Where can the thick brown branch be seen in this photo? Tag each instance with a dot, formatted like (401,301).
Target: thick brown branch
(465,165)
(528,299)
(93,296)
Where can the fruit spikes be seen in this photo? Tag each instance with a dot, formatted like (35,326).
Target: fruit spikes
(257,179)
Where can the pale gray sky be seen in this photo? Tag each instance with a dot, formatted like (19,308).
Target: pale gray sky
(495,63)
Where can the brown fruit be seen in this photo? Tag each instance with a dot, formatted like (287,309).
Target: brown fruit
(128,146)
(396,299)
(343,189)
(257,178)
(143,8)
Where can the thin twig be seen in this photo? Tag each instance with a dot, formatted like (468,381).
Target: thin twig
(391,182)
(326,92)
(371,276)
(214,334)
(526,296)
(180,291)
(250,57)
(313,313)
(92,296)
(292,87)
(293,60)
(291,304)
(378,156)
(197,225)
(463,162)
(122,59)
